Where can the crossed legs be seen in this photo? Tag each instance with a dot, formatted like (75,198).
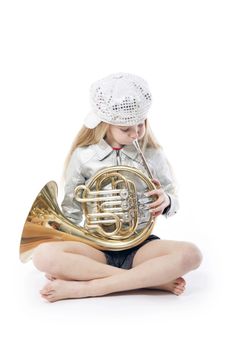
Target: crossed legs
(78,270)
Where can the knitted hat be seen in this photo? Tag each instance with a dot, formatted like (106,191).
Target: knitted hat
(119,99)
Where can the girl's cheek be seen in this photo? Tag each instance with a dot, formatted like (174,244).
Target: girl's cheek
(141,134)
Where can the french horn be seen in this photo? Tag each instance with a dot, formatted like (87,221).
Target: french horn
(114,207)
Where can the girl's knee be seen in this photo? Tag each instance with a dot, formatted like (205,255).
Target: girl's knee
(191,256)
(44,255)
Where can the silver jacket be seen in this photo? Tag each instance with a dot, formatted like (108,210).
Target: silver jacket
(87,160)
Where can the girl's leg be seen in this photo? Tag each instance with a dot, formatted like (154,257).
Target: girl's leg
(79,261)
(150,273)
(176,286)
(153,272)
(72,261)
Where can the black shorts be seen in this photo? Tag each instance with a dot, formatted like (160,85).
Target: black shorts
(124,258)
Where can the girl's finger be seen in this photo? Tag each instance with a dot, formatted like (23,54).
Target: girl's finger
(157,214)
(156,182)
(153,192)
(157,209)
(157,203)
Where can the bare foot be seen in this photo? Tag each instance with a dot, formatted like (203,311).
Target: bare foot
(176,286)
(60,289)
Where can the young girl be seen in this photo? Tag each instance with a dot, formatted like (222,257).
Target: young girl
(120,103)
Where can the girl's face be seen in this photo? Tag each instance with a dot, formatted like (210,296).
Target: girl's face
(118,136)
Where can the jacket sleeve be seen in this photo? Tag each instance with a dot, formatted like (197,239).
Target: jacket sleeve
(70,207)
(163,171)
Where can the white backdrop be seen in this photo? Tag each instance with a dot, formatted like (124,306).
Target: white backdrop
(51,51)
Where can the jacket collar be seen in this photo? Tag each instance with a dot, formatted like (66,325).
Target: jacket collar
(103,149)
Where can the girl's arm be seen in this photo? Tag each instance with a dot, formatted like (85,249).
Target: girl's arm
(70,207)
(162,170)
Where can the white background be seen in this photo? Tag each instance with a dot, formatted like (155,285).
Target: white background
(51,51)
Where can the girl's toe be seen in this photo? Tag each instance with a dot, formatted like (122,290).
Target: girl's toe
(48,288)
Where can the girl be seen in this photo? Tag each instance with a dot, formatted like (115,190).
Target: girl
(120,103)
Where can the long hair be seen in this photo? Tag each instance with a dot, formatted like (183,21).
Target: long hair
(86,137)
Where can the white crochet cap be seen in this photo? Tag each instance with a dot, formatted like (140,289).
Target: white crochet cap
(119,99)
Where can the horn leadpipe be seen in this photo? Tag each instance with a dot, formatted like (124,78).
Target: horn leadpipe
(136,145)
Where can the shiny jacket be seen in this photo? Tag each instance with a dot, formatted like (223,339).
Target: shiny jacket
(87,160)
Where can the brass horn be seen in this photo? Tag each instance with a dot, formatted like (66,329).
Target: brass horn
(114,207)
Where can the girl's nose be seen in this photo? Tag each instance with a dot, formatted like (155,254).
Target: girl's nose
(134,133)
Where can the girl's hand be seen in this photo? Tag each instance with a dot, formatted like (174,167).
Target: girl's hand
(157,207)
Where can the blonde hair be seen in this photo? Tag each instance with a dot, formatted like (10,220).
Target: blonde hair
(86,137)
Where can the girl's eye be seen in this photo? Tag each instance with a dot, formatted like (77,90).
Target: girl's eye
(139,125)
